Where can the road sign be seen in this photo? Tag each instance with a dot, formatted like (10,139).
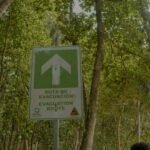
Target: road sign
(56,85)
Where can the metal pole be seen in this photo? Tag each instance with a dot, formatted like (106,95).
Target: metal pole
(56,42)
(56,134)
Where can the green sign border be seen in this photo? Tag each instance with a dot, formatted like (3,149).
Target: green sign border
(37,49)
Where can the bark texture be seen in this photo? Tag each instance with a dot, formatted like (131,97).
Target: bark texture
(90,123)
(4,6)
(145,14)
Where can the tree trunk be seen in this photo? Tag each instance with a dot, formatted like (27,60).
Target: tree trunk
(11,136)
(118,133)
(31,142)
(144,11)
(90,123)
(36,146)
(77,139)
(26,145)
(3,50)
(71,9)
(4,6)
(139,120)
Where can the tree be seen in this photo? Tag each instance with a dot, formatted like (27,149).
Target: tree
(4,4)
(111,104)
(90,122)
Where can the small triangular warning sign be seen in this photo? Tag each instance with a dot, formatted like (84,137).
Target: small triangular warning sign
(74,112)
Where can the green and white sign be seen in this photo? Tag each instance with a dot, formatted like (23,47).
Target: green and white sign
(56,85)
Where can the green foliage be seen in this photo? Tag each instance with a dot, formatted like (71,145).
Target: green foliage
(124,81)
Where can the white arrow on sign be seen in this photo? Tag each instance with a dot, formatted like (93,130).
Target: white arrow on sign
(56,62)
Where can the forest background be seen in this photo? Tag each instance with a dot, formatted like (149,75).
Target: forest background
(114,36)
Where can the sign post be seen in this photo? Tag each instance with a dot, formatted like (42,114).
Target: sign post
(56,134)
(56,84)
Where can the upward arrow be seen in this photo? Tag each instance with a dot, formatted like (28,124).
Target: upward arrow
(55,63)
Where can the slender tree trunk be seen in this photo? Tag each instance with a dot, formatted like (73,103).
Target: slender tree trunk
(71,9)
(4,143)
(145,14)
(139,120)
(104,137)
(90,123)
(26,145)
(77,139)
(11,136)
(3,50)
(31,142)
(18,146)
(118,133)
(4,6)
(36,146)
(119,117)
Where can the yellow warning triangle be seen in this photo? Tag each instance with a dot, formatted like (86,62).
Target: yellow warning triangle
(74,112)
